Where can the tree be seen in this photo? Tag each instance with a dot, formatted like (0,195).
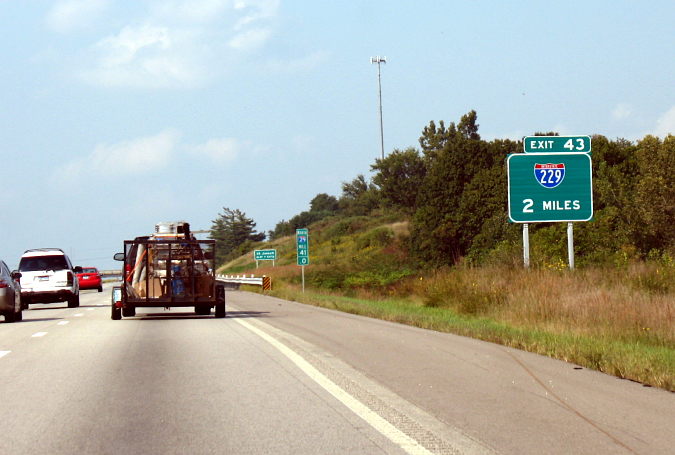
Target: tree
(468,127)
(359,197)
(324,203)
(231,230)
(399,178)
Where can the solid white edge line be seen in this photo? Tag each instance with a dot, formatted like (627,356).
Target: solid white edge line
(4,353)
(62,322)
(392,433)
(38,334)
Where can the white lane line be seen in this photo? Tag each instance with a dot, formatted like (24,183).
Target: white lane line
(375,420)
(62,322)
(4,353)
(39,334)
(78,314)
(91,309)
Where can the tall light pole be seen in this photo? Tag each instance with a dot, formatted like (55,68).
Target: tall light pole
(379,60)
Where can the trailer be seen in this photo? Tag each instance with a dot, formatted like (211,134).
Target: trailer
(167,269)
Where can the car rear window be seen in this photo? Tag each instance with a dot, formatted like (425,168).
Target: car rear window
(88,270)
(36,263)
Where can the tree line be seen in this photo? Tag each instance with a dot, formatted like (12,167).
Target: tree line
(453,191)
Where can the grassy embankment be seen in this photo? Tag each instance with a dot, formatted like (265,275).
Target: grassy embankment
(619,320)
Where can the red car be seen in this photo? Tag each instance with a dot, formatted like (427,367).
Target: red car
(90,279)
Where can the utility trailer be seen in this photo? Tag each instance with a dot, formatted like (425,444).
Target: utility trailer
(168,270)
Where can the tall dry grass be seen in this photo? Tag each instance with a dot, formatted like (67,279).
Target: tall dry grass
(633,304)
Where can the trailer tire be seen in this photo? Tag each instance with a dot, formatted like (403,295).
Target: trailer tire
(116,313)
(220,310)
(129,312)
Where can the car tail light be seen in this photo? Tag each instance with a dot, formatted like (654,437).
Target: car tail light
(3,284)
(70,279)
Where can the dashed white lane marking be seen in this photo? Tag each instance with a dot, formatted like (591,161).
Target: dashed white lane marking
(78,314)
(4,353)
(62,322)
(395,435)
(91,309)
(39,334)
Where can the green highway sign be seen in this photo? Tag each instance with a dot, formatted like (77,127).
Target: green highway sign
(265,255)
(557,144)
(302,244)
(549,187)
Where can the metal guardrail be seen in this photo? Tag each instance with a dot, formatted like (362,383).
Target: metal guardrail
(264,281)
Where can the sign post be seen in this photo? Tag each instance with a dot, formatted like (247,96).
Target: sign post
(302,244)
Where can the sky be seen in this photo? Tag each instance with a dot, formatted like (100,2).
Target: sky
(117,115)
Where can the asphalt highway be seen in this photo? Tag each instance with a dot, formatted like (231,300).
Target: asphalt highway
(278,377)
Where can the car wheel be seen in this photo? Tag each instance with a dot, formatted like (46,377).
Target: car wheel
(9,317)
(74,301)
(116,313)
(18,316)
(24,303)
(100,289)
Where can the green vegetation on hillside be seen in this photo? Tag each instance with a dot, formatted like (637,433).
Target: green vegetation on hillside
(427,242)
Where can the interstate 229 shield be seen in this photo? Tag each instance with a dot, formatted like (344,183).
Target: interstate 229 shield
(549,175)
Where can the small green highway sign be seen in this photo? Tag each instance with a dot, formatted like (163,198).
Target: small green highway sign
(557,144)
(265,255)
(549,187)
(302,244)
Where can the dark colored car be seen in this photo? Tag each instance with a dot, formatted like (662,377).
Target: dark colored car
(90,279)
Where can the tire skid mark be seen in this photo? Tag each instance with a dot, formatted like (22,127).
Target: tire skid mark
(566,405)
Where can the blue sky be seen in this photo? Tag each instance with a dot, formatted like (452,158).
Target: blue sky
(116,115)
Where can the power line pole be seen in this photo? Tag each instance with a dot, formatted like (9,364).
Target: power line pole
(380,60)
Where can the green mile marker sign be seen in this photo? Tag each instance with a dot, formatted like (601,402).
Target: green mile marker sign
(302,244)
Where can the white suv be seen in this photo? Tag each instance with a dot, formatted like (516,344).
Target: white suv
(47,275)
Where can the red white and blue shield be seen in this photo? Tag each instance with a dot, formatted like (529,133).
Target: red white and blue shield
(549,175)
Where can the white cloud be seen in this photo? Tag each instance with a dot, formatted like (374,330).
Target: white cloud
(67,15)
(665,125)
(250,39)
(146,56)
(179,43)
(255,10)
(191,10)
(138,156)
(219,150)
(621,111)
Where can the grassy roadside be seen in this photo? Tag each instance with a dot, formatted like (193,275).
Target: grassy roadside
(620,323)
(618,318)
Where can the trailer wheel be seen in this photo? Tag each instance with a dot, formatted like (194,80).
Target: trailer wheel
(220,301)
(116,313)
(129,312)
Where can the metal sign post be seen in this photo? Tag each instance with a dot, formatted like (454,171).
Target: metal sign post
(570,244)
(526,245)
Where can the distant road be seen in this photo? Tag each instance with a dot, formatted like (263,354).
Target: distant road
(277,377)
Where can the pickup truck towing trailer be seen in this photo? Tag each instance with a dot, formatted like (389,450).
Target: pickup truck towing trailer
(168,271)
